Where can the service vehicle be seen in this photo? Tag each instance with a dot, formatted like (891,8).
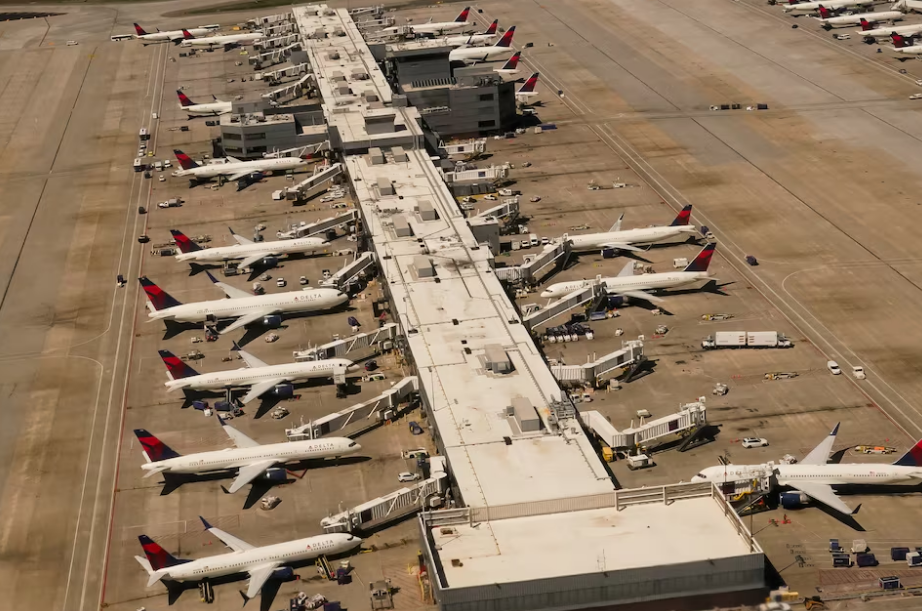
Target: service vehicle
(406,476)
(755,442)
(833,368)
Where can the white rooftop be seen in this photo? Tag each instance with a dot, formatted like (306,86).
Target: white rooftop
(582,542)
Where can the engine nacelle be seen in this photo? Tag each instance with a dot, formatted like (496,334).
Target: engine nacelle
(794,500)
(272,322)
(283,572)
(276,474)
(270,261)
(284,391)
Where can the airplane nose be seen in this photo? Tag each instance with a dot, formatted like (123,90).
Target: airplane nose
(547,294)
(352,367)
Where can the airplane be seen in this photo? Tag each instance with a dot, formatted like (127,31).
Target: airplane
(260,563)
(250,459)
(473,39)
(511,65)
(473,55)
(431,27)
(233,168)
(627,284)
(830,20)
(813,478)
(209,109)
(265,310)
(262,254)
(259,376)
(225,40)
(813,7)
(904,31)
(616,239)
(174,36)
(903,46)
(528,87)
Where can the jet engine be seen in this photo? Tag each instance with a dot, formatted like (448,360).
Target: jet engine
(284,391)
(284,573)
(794,500)
(276,474)
(272,321)
(270,261)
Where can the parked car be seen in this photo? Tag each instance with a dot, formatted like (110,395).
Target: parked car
(833,368)
(755,442)
(406,476)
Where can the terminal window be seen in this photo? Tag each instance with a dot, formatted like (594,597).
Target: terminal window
(490,123)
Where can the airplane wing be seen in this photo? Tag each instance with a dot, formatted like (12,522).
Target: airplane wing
(231,291)
(232,159)
(240,239)
(820,454)
(246,263)
(824,494)
(259,576)
(229,540)
(249,359)
(617,225)
(257,390)
(240,440)
(639,295)
(247,474)
(622,247)
(244,321)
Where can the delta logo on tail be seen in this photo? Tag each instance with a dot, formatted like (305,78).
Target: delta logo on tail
(703,260)
(184,99)
(824,12)
(683,218)
(865,25)
(506,40)
(463,16)
(184,160)
(155,449)
(183,242)
(187,35)
(898,41)
(158,557)
(912,458)
(140,30)
(492,29)
(159,298)
(528,87)
(512,63)
(175,366)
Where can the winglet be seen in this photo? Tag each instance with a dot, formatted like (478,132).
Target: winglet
(236,348)
(205,523)
(226,491)
(835,430)
(858,508)
(231,231)
(212,278)
(244,596)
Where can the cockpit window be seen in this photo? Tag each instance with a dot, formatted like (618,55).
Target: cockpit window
(702,476)
(353,444)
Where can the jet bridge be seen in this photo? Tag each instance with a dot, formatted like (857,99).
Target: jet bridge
(562,306)
(509,207)
(277,42)
(342,347)
(631,353)
(470,147)
(647,434)
(393,506)
(556,254)
(279,29)
(304,230)
(275,56)
(318,183)
(276,75)
(364,415)
(299,151)
(292,90)
(351,271)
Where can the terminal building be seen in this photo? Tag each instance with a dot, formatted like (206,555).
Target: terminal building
(534,520)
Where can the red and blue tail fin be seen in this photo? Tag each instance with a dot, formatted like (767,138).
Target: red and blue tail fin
(158,557)
(865,25)
(184,99)
(898,41)
(492,29)
(912,458)
(140,31)
(461,18)
(185,162)
(159,299)
(175,366)
(701,262)
(187,35)
(506,40)
(155,449)
(529,85)
(184,243)
(512,62)
(683,218)
(824,12)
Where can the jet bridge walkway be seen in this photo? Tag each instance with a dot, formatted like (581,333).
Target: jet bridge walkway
(313,186)
(291,90)
(303,229)
(591,373)
(275,76)
(646,434)
(394,506)
(275,56)
(509,207)
(469,147)
(279,41)
(342,347)
(351,271)
(361,417)
(589,294)
(553,254)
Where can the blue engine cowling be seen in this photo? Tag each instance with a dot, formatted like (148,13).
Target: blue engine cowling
(270,261)
(283,572)
(273,321)
(794,500)
(284,391)
(276,474)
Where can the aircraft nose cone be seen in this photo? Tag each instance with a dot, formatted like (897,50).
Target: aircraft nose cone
(353,367)
(547,294)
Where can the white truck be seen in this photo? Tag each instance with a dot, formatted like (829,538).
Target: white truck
(745,339)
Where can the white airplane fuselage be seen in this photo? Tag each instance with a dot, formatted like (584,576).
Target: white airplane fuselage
(234,458)
(477,54)
(242,251)
(308,300)
(841,474)
(846,20)
(641,235)
(212,170)
(468,41)
(812,7)
(171,35)
(212,109)
(227,39)
(438,28)
(643,282)
(882,33)
(249,376)
(239,562)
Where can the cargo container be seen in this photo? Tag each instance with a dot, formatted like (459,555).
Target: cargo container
(899,553)
(841,560)
(743,339)
(914,559)
(866,560)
